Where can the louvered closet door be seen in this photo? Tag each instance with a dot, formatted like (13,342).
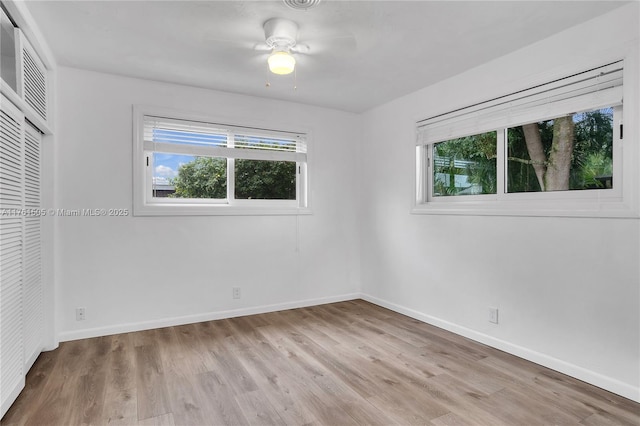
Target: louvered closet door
(32,276)
(32,82)
(11,252)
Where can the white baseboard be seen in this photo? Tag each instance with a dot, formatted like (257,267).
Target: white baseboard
(207,316)
(612,385)
(31,360)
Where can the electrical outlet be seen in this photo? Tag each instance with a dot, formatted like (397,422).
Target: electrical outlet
(80,314)
(236,292)
(493,315)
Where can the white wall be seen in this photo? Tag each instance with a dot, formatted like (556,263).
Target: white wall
(568,290)
(141,272)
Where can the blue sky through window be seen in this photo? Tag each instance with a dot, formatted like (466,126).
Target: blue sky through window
(165,166)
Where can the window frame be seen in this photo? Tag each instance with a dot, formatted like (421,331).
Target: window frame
(144,204)
(614,202)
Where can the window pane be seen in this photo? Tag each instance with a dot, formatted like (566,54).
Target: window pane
(265,180)
(186,176)
(465,166)
(567,153)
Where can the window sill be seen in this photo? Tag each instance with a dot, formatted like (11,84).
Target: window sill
(573,208)
(217,210)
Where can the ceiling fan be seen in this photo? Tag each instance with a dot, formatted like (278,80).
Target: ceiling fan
(281,39)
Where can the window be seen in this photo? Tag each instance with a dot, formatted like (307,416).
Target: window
(554,149)
(195,166)
(579,146)
(465,166)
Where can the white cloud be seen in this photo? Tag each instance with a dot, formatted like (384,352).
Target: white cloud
(165,172)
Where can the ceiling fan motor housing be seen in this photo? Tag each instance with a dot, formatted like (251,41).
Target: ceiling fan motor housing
(280,33)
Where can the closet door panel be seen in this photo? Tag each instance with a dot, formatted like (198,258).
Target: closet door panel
(11,253)
(32,283)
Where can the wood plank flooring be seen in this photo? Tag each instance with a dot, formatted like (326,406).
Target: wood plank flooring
(349,363)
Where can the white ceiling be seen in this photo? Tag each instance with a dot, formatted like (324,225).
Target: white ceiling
(363,53)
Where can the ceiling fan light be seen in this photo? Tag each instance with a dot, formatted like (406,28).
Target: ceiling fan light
(281,63)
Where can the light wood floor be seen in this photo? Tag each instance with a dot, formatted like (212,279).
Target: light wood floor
(339,364)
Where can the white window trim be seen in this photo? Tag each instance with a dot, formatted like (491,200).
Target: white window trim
(619,202)
(142,175)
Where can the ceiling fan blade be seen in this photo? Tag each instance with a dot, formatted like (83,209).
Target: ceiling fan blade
(301,48)
(261,47)
(343,44)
